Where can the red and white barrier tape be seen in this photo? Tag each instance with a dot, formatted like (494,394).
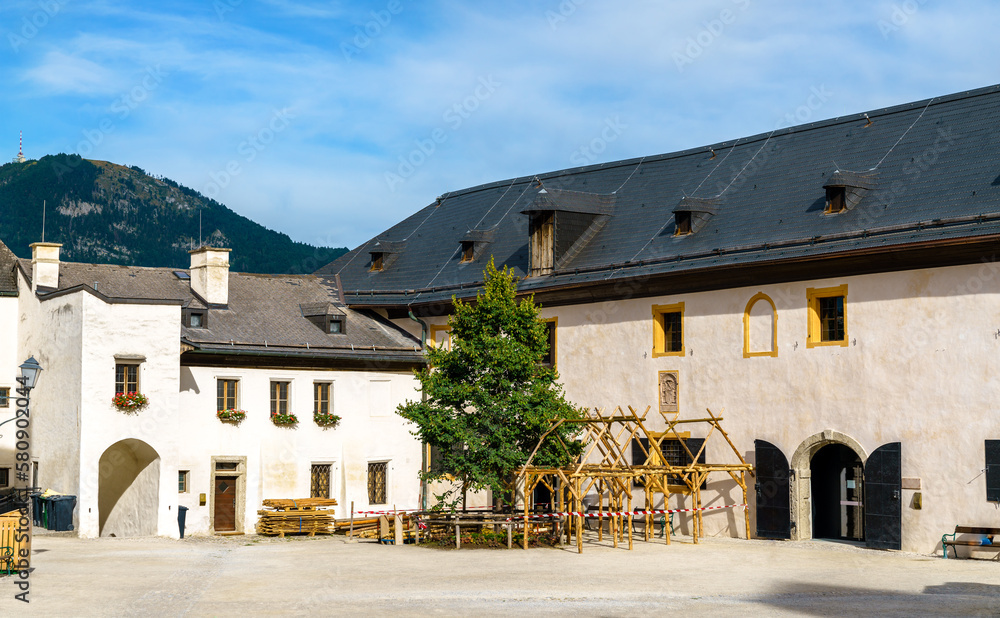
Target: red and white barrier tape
(627,513)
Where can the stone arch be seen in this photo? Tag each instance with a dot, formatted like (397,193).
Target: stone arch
(128,489)
(763,343)
(801,502)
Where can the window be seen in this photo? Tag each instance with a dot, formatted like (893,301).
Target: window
(227,465)
(541,248)
(835,200)
(227,394)
(126,378)
(440,337)
(377,472)
(549,360)
(827,316)
(182,481)
(468,250)
(993,470)
(682,221)
(319,481)
(672,448)
(5,397)
(321,397)
(195,318)
(378,261)
(668,330)
(335,326)
(4,477)
(279,397)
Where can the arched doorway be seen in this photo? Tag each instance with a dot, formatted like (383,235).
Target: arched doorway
(128,489)
(819,501)
(837,479)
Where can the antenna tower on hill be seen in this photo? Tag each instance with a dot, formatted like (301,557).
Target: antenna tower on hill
(20,148)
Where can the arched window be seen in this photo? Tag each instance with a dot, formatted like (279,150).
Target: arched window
(760,327)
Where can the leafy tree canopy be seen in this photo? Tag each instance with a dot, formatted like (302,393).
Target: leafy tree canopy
(487,400)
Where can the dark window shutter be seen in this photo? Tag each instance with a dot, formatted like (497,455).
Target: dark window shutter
(993,470)
(638,454)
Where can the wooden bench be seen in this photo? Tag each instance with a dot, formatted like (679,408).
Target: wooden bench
(986,542)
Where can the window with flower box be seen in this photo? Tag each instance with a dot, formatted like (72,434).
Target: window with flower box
(279,397)
(126,377)
(227,391)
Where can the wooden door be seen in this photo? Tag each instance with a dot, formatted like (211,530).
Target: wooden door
(883,504)
(773,509)
(225,504)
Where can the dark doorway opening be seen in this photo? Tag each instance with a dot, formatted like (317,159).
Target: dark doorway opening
(837,489)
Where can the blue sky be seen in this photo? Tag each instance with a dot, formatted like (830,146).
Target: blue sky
(330,121)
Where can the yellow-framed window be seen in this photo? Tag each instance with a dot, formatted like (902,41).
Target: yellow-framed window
(668,330)
(440,337)
(549,359)
(827,316)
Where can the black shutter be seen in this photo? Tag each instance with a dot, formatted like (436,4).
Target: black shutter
(638,454)
(773,511)
(883,504)
(993,470)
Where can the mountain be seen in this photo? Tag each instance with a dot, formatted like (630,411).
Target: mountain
(107,213)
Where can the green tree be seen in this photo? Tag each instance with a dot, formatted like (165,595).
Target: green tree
(487,400)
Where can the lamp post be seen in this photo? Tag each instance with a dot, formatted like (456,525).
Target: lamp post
(30,369)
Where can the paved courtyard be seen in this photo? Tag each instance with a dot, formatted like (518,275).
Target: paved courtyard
(249,576)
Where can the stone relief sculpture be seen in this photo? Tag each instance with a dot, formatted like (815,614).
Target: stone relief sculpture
(668,391)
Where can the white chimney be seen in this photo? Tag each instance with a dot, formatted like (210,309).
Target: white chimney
(210,274)
(44,265)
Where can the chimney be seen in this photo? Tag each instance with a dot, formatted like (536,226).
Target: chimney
(44,265)
(210,274)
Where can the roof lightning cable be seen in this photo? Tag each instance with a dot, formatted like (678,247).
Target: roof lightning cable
(903,135)
(481,219)
(717,166)
(630,175)
(433,210)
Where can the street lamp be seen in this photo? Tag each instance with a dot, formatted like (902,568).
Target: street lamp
(29,371)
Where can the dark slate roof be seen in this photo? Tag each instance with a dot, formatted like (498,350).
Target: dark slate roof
(924,171)
(266,314)
(8,280)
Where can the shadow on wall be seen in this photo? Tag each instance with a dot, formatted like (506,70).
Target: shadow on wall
(128,489)
(951,598)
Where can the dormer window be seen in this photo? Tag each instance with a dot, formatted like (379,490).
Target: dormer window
(378,262)
(682,222)
(468,250)
(325,316)
(195,318)
(335,326)
(835,200)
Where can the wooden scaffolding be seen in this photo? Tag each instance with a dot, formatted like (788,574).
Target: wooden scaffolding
(605,469)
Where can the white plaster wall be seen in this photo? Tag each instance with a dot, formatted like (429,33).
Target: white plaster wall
(279,459)
(920,368)
(152,331)
(9,371)
(51,332)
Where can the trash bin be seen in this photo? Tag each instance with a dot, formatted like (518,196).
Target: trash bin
(36,509)
(60,513)
(181,518)
(43,510)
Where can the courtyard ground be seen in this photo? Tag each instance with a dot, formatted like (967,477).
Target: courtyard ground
(251,576)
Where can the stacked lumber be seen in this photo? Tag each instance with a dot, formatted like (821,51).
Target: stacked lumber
(302,516)
(288,504)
